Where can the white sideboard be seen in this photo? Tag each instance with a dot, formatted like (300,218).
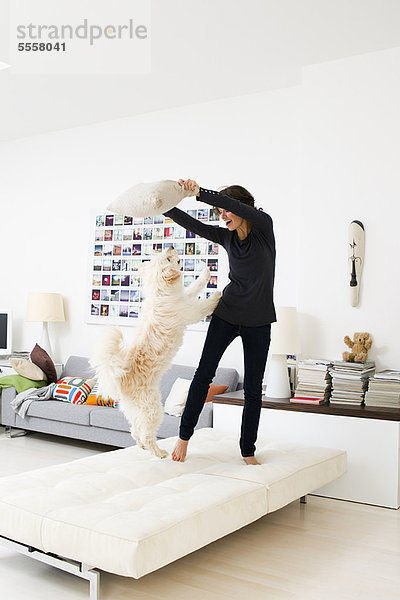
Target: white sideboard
(371,441)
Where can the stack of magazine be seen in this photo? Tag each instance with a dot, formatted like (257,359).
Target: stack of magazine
(350,381)
(313,382)
(5,357)
(384,389)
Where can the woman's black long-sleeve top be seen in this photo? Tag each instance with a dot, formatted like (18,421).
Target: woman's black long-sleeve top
(248,298)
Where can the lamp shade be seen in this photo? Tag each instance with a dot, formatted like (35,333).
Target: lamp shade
(45,307)
(285,337)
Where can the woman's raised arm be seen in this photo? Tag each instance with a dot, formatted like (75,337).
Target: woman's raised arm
(210,232)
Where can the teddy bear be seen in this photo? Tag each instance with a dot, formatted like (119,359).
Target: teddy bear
(360,345)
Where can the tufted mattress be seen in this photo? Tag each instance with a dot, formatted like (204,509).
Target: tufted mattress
(130,513)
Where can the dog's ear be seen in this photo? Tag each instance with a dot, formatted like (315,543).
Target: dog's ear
(170,274)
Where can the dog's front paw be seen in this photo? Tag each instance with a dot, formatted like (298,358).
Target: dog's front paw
(215,298)
(161,453)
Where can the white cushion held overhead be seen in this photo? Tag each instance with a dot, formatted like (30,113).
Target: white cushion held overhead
(150,199)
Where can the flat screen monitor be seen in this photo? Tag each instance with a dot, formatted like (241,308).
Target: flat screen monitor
(5,332)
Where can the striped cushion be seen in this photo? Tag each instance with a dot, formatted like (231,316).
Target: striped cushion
(73,389)
(98,400)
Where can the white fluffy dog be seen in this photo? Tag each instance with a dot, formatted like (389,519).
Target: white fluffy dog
(131,372)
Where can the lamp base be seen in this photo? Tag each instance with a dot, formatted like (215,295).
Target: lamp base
(45,340)
(277,378)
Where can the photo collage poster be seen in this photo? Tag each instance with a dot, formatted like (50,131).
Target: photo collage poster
(121,243)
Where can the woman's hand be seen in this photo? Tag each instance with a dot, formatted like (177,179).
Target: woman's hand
(189,184)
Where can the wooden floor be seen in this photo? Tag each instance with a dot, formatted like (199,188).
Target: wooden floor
(326,549)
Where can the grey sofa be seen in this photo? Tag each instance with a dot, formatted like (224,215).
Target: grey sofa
(98,423)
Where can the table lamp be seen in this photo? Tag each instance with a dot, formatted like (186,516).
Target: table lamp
(48,308)
(284,340)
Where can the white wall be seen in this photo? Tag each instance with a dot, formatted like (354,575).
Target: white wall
(316,156)
(350,170)
(50,184)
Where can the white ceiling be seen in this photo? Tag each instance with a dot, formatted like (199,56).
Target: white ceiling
(202,50)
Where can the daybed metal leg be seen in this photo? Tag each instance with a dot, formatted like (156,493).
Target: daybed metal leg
(303,499)
(9,430)
(60,562)
(93,577)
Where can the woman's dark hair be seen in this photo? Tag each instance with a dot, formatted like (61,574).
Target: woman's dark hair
(239,193)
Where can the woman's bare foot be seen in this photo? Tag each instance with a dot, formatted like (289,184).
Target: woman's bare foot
(250,460)
(179,452)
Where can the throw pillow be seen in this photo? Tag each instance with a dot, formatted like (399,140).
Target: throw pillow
(20,383)
(27,369)
(73,389)
(97,399)
(176,399)
(43,360)
(214,390)
(150,199)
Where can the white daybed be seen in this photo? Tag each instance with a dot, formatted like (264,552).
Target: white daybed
(130,513)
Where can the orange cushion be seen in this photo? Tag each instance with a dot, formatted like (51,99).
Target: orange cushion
(94,398)
(99,400)
(214,390)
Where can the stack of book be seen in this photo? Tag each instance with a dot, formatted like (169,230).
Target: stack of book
(5,357)
(313,382)
(384,389)
(350,381)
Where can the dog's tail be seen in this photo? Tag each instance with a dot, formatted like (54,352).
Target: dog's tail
(109,362)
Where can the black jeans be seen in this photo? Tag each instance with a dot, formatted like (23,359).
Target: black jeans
(255,349)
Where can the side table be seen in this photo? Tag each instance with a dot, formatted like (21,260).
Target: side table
(370,436)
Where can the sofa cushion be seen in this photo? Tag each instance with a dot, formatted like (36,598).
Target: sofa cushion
(40,357)
(97,399)
(176,399)
(28,369)
(56,410)
(170,424)
(215,390)
(109,418)
(72,389)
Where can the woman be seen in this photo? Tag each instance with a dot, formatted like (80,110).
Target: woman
(246,308)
